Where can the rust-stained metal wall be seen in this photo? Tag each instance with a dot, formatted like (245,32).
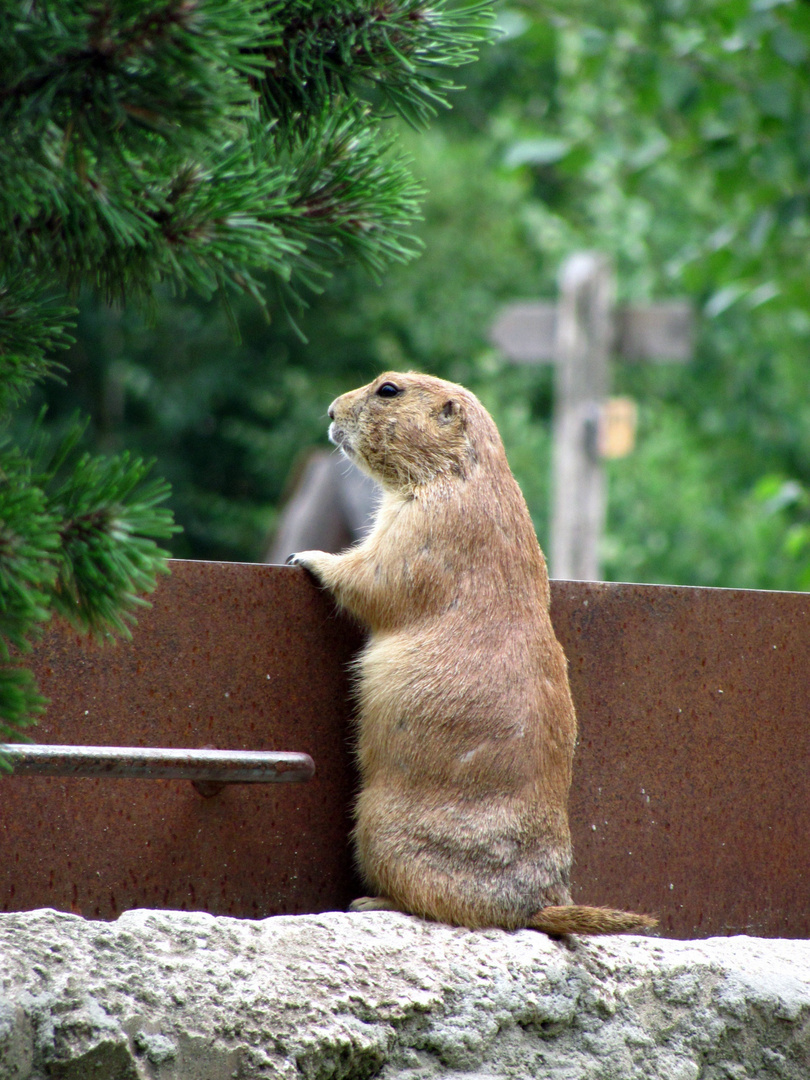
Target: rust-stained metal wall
(231,656)
(691,793)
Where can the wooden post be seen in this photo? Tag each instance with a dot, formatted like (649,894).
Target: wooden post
(578,334)
(584,329)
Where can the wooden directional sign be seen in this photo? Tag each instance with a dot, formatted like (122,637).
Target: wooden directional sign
(578,334)
(661,332)
(526,331)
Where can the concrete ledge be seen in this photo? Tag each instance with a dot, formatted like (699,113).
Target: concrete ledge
(176,995)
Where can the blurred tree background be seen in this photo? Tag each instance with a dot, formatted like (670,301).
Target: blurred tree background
(672,134)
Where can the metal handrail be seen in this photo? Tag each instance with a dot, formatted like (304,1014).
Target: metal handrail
(208,770)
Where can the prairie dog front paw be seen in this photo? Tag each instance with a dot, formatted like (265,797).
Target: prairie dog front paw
(302,558)
(313,561)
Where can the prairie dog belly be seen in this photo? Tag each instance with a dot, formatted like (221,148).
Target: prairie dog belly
(431,714)
(455,854)
(451,754)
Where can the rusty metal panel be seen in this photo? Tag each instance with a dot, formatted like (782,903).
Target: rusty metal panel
(691,792)
(230,656)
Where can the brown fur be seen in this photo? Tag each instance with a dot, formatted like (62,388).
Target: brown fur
(466,723)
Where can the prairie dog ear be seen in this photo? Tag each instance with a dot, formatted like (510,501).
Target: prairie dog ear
(450,410)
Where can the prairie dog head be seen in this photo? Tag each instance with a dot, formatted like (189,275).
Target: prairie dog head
(405,430)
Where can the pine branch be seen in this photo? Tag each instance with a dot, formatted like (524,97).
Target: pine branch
(77,537)
(31,327)
(353,196)
(146,161)
(29,539)
(399,48)
(337,193)
(108,515)
(107,75)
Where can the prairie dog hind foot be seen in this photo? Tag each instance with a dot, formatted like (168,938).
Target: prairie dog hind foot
(373,903)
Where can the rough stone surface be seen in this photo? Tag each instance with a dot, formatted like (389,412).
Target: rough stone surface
(171,995)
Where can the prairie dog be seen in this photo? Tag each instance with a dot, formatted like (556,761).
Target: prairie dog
(466,727)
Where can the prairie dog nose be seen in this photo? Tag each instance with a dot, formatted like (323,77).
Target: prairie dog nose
(331,411)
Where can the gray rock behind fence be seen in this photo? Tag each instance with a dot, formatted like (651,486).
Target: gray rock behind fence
(170,995)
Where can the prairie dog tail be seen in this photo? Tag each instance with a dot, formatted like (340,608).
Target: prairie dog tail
(573,919)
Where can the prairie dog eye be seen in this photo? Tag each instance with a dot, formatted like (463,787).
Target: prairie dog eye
(388,390)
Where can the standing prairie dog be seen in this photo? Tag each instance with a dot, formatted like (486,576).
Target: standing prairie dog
(466,727)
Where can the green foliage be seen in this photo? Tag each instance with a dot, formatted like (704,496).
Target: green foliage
(107,518)
(672,136)
(75,539)
(153,147)
(29,539)
(30,331)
